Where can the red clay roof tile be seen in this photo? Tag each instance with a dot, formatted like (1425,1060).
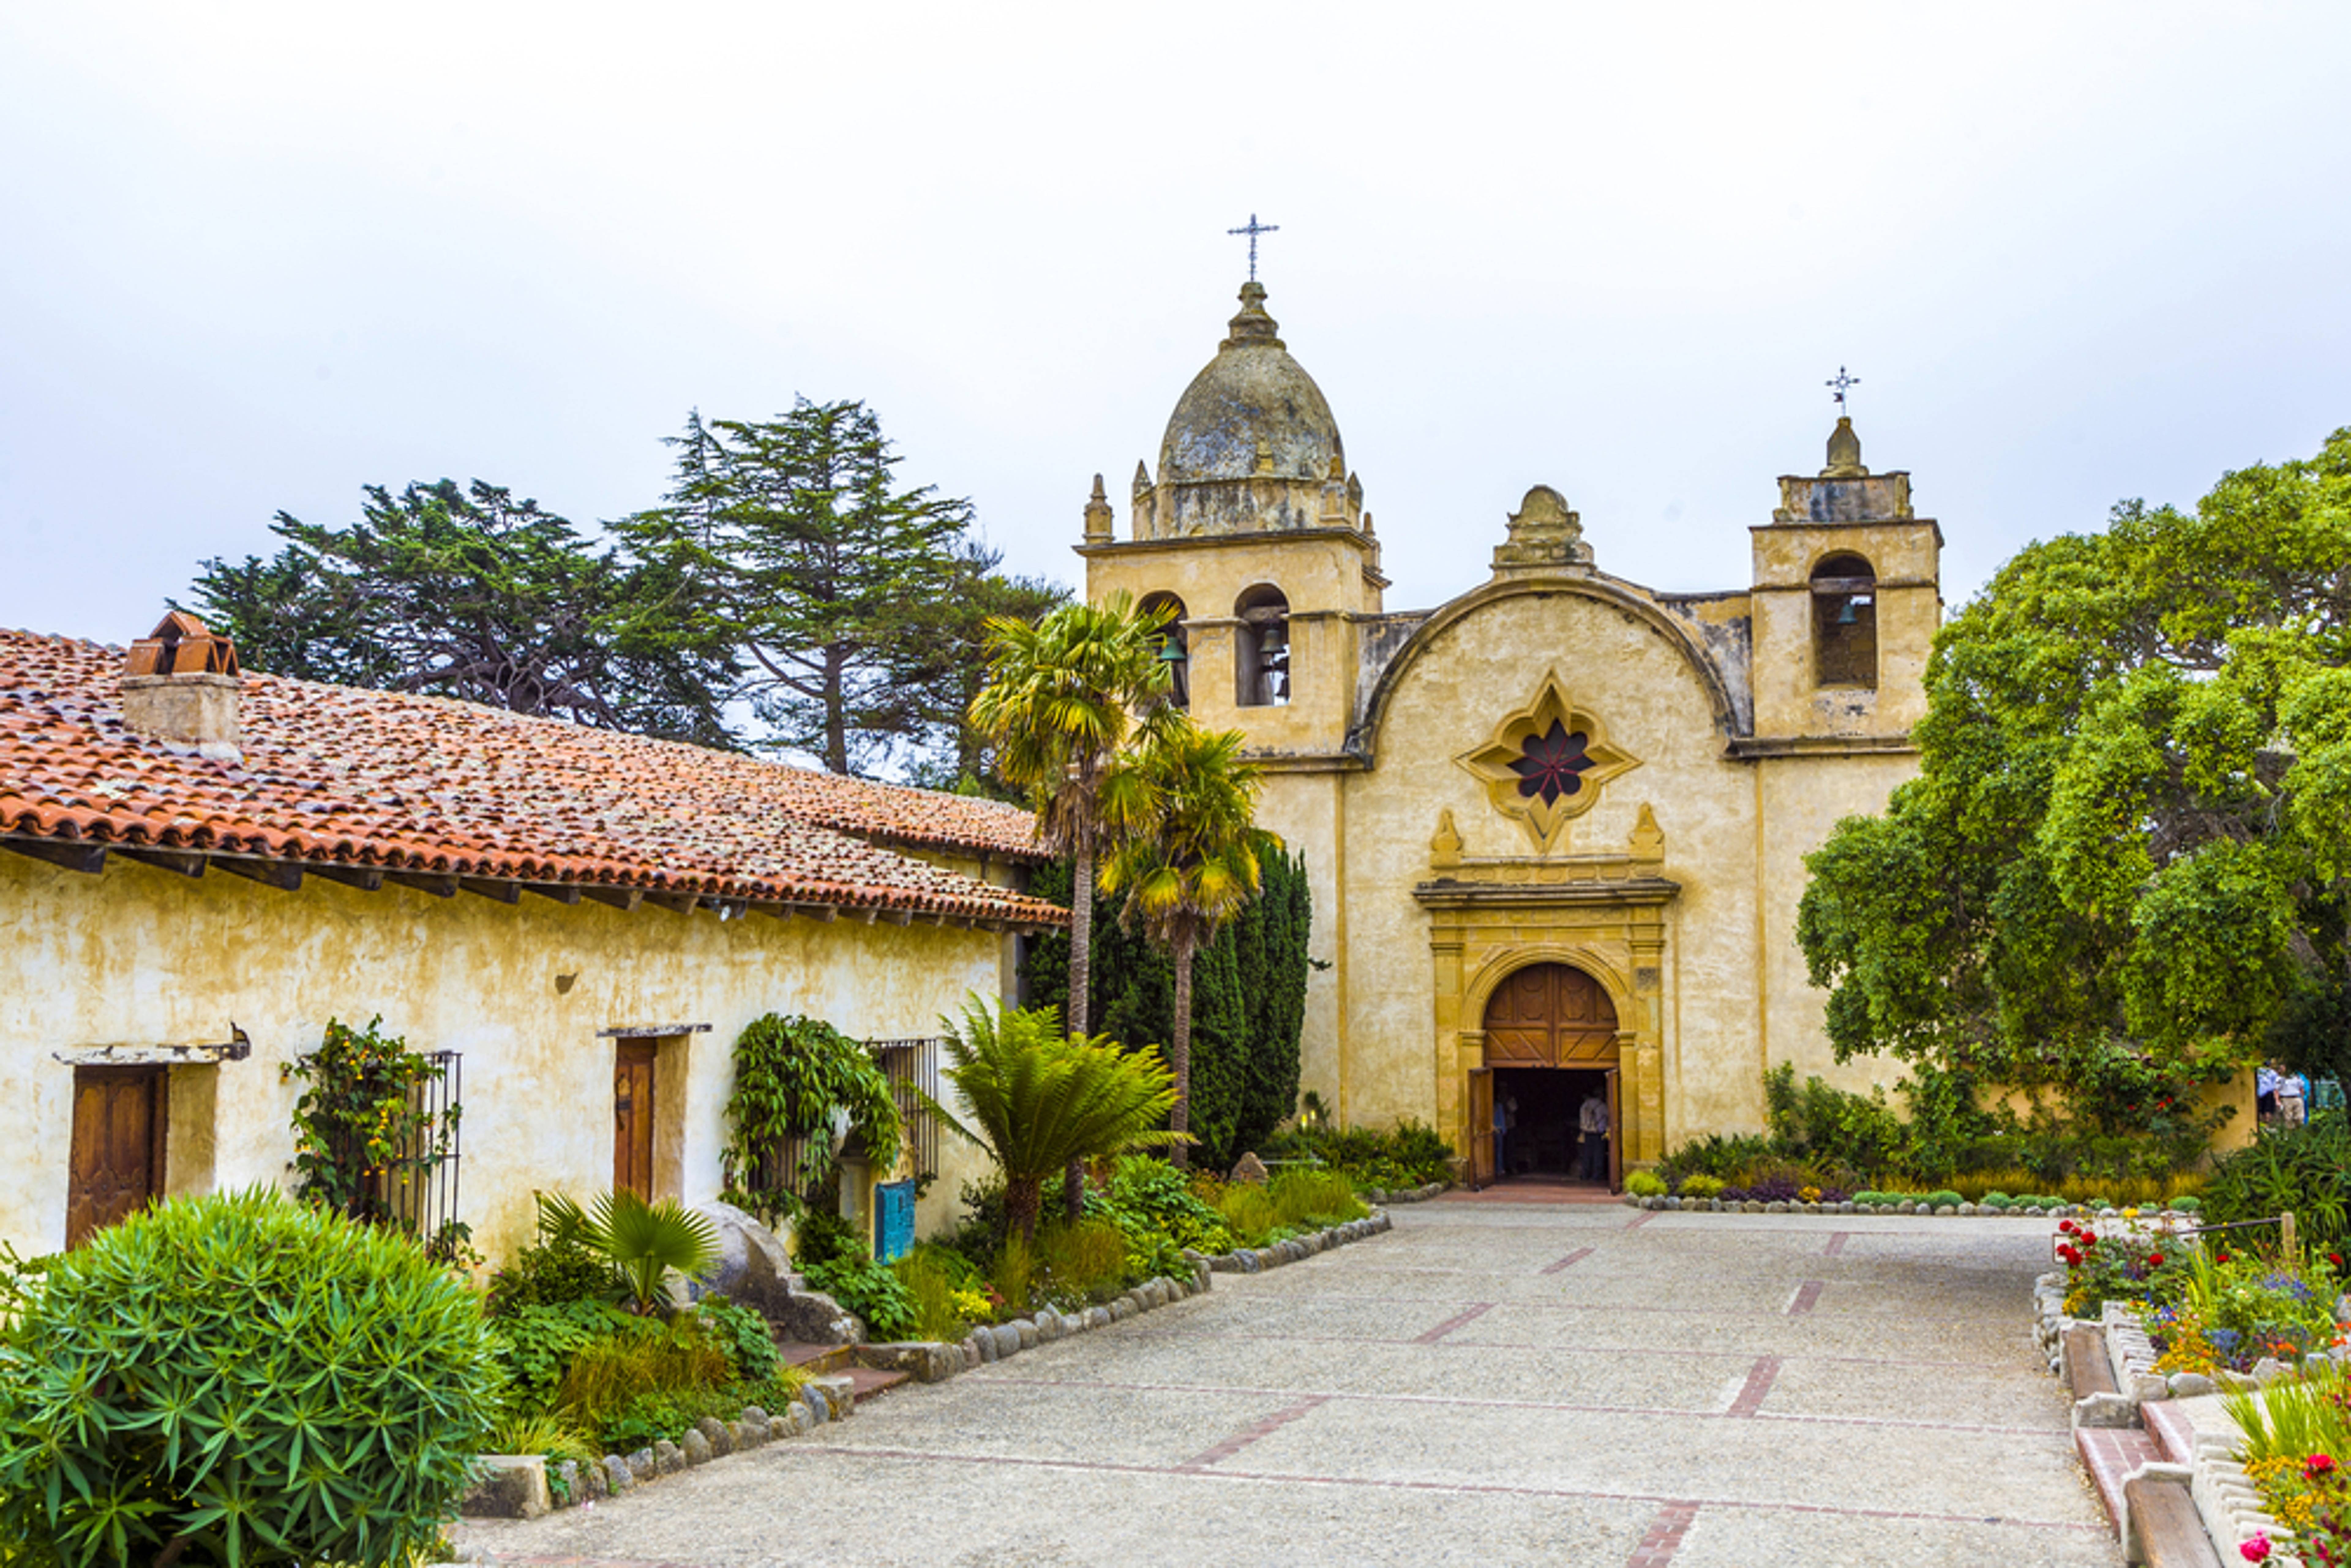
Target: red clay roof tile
(425,784)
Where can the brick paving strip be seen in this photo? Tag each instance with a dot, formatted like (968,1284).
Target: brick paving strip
(1757,1384)
(1836,1243)
(1665,1538)
(1458,1319)
(1578,1255)
(1247,1434)
(1808,1296)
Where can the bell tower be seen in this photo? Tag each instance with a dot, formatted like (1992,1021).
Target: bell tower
(1848,598)
(1254,532)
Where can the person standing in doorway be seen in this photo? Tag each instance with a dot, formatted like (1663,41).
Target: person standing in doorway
(1506,1117)
(1592,1120)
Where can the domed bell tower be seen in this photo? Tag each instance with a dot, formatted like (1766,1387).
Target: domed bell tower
(1254,533)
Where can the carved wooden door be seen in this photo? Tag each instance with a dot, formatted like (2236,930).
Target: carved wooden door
(117,1159)
(632,1118)
(1481,1126)
(1550,1015)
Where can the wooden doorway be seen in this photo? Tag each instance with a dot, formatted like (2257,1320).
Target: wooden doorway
(117,1159)
(1550,1043)
(632,1117)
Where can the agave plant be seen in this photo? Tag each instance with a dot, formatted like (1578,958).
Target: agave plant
(643,1241)
(1042,1099)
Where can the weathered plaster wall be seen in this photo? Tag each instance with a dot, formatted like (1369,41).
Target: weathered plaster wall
(142,956)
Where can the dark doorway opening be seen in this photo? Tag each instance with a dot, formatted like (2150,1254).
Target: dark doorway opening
(1540,1107)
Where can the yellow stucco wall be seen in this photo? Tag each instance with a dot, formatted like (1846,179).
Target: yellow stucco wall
(142,956)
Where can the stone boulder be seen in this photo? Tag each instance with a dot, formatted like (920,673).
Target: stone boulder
(1250,1169)
(754,1269)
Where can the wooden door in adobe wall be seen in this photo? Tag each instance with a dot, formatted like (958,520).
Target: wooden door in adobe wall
(1550,1015)
(632,1118)
(117,1159)
(1481,1126)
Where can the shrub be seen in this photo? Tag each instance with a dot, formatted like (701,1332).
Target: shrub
(792,1075)
(1154,1203)
(1945,1197)
(1700,1185)
(1645,1184)
(2304,1171)
(240,1379)
(1249,1213)
(559,1267)
(607,1373)
(1315,1199)
(1082,1262)
(1411,1154)
(644,1241)
(935,1277)
(1716,1156)
(536,1344)
(1996,1200)
(869,1290)
(742,1333)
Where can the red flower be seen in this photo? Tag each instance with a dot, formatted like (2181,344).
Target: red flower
(2335,1259)
(2257,1550)
(2317,1466)
(2071,1256)
(2155,1259)
(2220,1257)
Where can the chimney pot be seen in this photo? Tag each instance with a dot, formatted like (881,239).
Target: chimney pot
(180,684)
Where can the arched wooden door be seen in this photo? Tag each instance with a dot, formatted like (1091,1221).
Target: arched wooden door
(1550,1015)
(1545,1015)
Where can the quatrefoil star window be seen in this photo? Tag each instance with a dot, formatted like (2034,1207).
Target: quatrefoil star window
(1546,763)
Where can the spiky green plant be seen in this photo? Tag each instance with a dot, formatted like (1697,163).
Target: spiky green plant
(1039,1100)
(646,1241)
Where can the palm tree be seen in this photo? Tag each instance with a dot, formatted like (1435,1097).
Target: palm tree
(1198,869)
(1043,1101)
(1062,696)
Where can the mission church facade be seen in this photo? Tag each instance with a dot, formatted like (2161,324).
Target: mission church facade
(1556,827)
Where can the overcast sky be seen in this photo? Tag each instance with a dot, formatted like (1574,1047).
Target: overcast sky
(254,257)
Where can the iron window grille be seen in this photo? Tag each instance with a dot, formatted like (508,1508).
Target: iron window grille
(416,1189)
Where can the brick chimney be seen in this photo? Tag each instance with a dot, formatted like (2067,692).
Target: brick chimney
(180,684)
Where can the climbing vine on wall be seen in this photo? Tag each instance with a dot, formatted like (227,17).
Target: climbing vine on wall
(365,1140)
(801,1089)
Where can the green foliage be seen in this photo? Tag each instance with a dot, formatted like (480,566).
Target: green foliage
(1700,1185)
(2304,1171)
(362,1143)
(1040,1100)
(742,1334)
(871,1291)
(527,1431)
(557,1269)
(2294,1418)
(1248,1000)
(933,1277)
(641,1241)
(235,1380)
(789,542)
(465,592)
(1724,1158)
(536,1343)
(649,1417)
(2129,840)
(1085,1262)
(1160,1213)
(608,1371)
(792,1075)
(1645,1184)
(1410,1154)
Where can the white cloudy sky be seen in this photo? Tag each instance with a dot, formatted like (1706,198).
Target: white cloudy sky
(253,257)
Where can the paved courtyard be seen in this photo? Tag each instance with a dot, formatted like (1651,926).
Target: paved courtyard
(1495,1382)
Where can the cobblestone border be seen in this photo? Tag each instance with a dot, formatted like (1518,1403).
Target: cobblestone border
(515,1486)
(1920,1210)
(1376,1195)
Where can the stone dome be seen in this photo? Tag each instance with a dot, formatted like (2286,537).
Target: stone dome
(1251,443)
(1252,391)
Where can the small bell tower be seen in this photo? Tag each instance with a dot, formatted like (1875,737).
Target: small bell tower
(1847,597)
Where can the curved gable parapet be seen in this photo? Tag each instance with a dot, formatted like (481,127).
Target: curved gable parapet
(1398,642)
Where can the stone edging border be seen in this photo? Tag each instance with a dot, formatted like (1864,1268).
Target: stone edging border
(1376,1195)
(514,1486)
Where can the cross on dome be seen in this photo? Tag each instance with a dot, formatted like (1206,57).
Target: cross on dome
(1253,229)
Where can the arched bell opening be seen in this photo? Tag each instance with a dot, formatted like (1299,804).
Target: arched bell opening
(1175,645)
(1261,649)
(1844,623)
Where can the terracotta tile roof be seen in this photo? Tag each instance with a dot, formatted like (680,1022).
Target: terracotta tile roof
(416,784)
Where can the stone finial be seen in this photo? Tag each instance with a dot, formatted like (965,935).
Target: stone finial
(1098,516)
(1844,452)
(1334,494)
(1142,477)
(1545,535)
(1648,843)
(1252,325)
(1445,844)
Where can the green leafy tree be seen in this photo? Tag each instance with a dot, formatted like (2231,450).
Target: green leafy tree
(2125,864)
(794,545)
(1249,1000)
(466,593)
(1041,1100)
(948,637)
(1195,867)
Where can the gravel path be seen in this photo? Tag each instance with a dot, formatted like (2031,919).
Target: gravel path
(1494,1382)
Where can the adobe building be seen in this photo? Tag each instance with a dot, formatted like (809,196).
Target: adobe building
(1556,827)
(200,865)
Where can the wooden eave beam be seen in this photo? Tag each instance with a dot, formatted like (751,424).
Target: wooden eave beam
(898,916)
(559,891)
(286,876)
(621,898)
(366,878)
(423,881)
(186,862)
(491,888)
(90,859)
(678,903)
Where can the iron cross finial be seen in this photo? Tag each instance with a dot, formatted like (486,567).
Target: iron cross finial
(1254,229)
(1838,386)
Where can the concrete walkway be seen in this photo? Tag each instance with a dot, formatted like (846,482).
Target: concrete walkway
(1494,1382)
